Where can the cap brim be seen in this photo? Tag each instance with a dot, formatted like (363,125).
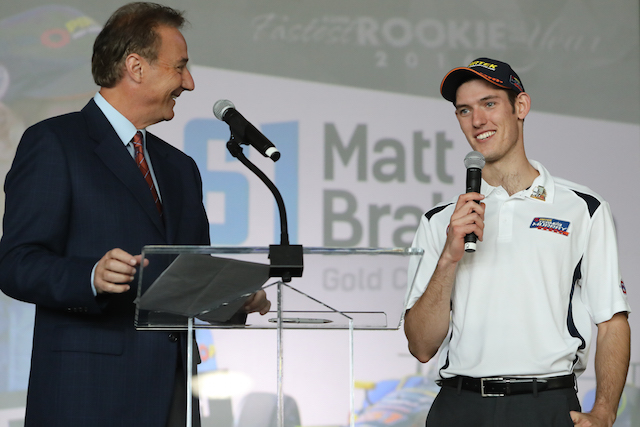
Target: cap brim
(458,76)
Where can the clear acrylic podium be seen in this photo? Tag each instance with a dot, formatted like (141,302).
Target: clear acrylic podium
(192,287)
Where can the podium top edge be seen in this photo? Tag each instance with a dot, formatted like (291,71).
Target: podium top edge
(176,249)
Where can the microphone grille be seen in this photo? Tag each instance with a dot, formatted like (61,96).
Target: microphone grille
(221,106)
(474,160)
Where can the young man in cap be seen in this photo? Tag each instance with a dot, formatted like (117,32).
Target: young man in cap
(513,319)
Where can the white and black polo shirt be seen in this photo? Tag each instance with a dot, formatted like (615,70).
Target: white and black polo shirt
(524,303)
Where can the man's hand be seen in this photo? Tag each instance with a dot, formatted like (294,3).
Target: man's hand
(257,302)
(468,217)
(115,271)
(582,419)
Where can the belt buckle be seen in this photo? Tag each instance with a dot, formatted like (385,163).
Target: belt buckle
(482,392)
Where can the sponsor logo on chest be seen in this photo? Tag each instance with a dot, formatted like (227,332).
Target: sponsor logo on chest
(550,224)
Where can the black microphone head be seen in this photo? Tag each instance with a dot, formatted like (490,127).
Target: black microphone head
(220,108)
(474,160)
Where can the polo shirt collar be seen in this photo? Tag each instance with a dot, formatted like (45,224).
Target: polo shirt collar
(541,190)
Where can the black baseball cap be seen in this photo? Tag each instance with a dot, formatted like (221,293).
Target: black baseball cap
(496,72)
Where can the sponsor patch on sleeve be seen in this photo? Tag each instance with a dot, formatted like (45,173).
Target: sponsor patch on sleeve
(550,224)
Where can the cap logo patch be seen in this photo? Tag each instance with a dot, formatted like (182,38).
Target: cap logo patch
(490,67)
(514,81)
(550,224)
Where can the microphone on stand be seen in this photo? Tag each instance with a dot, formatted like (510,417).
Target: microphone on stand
(474,162)
(242,129)
(286,260)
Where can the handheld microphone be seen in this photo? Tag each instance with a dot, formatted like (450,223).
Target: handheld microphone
(474,162)
(224,110)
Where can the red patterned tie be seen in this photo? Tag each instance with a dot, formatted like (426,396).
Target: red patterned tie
(144,168)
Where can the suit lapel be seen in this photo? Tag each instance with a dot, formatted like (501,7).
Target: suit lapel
(114,155)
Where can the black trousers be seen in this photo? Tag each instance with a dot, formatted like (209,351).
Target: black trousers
(453,408)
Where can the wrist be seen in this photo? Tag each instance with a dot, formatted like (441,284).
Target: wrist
(447,262)
(603,414)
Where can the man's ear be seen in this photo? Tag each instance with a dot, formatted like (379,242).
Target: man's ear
(134,67)
(522,105)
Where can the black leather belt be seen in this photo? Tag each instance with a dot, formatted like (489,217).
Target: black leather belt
(505,386)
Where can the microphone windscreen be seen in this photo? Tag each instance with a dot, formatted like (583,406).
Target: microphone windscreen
(474,160)
(220,108)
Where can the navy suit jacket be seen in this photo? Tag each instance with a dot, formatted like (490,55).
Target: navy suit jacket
(72,194)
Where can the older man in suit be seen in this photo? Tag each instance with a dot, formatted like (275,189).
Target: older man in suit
(85,192)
